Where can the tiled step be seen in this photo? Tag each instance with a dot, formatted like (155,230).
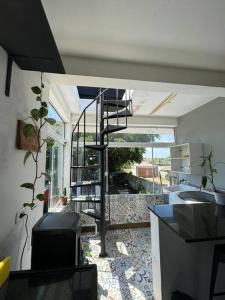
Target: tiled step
(92,212)
(121,114)
(113,128)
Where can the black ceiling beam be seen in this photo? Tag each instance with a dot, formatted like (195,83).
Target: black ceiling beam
(26,36)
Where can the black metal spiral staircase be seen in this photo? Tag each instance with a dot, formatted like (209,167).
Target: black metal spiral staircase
(88,158)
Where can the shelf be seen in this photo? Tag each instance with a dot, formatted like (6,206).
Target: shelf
(26,36)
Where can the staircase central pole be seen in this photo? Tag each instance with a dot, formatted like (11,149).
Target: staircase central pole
(102,175)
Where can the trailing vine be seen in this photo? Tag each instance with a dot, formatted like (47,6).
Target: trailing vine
(39,118)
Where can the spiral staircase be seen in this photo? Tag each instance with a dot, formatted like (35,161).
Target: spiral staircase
(88,176)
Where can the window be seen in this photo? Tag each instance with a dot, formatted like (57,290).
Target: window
(54,158)
(139,162)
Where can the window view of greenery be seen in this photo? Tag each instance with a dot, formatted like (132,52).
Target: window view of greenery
(58,127)
(135,169)
(138,170)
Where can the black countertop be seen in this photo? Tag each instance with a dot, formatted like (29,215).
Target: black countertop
(195,222)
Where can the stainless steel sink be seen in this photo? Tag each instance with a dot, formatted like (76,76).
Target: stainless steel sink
(197,196)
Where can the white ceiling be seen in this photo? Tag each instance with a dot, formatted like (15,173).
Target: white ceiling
(172,32)
(144,102)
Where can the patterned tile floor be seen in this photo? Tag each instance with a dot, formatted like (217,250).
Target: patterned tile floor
(126,273)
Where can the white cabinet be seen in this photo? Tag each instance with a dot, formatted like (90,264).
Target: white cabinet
(186,158)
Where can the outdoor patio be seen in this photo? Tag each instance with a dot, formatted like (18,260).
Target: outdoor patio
(126,272)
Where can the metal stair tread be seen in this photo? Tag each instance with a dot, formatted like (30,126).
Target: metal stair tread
(114,105)
(82,198)
(92,212)
(120,114)
(85,167)
(113,128)
(96,147)
(85,183)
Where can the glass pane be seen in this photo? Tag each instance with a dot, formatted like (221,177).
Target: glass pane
(162,162)
(58,127)
(143,135)
(54,167)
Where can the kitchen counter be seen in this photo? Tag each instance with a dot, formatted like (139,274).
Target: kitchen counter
(183,239)
(193,222)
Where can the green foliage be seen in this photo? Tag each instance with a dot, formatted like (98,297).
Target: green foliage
(208,163)
(36,90)
(43,112)
(28,185)
(38,117)
(26,156)
(31,205)
(51,121)
(35,114)
(28,130)
(120,158)
(40,197)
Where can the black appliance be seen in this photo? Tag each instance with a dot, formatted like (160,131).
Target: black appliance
(56,241)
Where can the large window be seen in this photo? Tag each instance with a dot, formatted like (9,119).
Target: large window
(55,158)
(139,162)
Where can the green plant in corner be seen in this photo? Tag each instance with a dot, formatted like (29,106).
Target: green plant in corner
(208,162)
(38,119)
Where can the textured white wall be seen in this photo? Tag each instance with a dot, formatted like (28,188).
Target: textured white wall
(12,171)
(205,125)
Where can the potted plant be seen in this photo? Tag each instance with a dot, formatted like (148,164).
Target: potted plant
(207,162)
(63,197)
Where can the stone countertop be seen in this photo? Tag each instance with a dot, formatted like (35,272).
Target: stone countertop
(195,222)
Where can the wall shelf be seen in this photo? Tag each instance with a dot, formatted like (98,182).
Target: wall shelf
(26,36)
(186,158)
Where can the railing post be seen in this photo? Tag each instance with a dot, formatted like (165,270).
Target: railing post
(102,175)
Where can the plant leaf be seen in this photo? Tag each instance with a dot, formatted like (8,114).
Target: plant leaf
(38,98)
(40,197)
(42,85)
(28,185)
(214,170)
(31,205)
(47,176)
(44,104)
(26,156)
(51,121)
(204,181)
(35,114)
(28,129)
(36,90)
(50,142)
(43,112)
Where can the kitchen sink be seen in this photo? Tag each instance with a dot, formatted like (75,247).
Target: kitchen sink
(196,196)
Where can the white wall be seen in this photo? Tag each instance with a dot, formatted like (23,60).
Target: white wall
(206,125)
(12,171)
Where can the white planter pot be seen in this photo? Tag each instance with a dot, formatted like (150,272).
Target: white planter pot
(220,198)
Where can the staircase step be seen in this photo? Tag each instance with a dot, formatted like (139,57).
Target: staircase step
(84,183)
(114,105)
(82,198)
(96,147)
(121,114)
(85,167)
(113,128)
(92,212)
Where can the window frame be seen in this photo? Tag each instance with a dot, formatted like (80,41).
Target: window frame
(51,133)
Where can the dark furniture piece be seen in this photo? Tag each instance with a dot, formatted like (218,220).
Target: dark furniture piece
(78,283)
(56,241)
(219,257)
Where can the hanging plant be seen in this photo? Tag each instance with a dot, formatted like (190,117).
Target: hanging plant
(38,119)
